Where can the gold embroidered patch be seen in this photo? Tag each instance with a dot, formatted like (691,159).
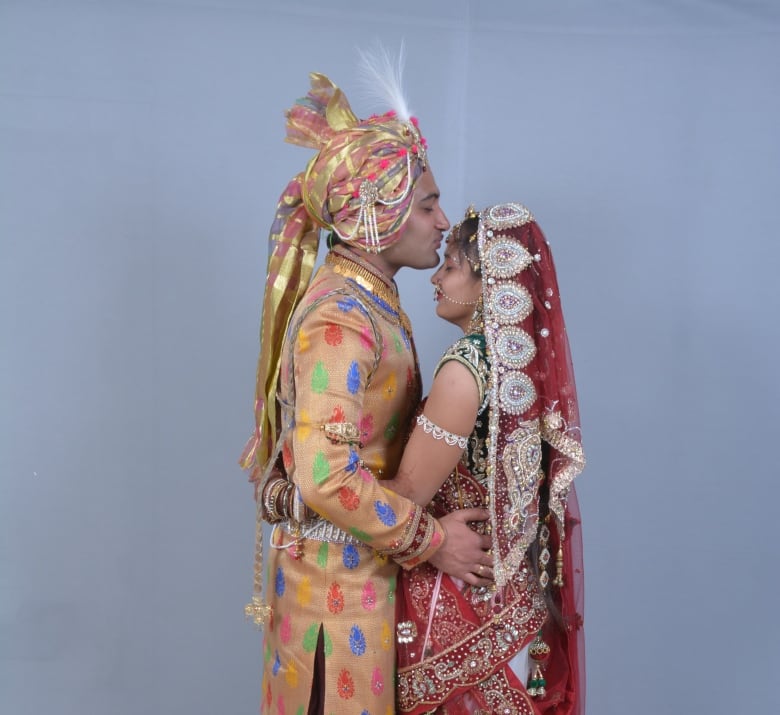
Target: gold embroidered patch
(342,433)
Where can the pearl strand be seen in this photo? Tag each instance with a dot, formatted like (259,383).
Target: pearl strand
(437,290)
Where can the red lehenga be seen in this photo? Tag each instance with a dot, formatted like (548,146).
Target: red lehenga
(455,642)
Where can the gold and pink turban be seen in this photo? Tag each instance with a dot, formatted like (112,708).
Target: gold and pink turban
(360,186)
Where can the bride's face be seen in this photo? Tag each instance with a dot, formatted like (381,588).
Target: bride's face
(456,288)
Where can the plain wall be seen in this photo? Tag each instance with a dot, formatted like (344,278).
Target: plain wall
(141,157)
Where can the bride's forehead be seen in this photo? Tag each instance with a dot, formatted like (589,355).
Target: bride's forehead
(452,254)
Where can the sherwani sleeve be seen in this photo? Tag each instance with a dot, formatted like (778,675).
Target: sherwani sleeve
(338,347)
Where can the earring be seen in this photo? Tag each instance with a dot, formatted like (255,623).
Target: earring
(476,323)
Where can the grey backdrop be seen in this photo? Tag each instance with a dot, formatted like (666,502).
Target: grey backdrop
(141,157)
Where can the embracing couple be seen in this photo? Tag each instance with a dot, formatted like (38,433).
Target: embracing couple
(425,553)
